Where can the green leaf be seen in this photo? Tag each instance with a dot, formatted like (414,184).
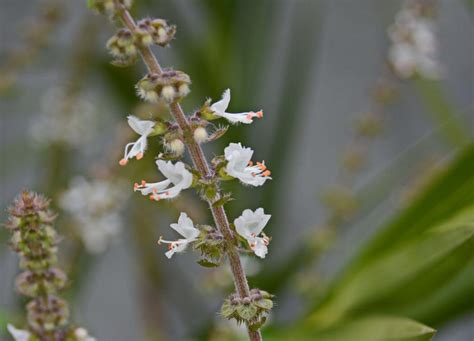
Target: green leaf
(377,328)
(406,268)
(387,278)
(448,194)
(207,263)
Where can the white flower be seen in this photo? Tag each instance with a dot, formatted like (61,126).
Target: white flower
(176,175)
(414,44)
(64,119)
(83,335)
(239,165)
(184,227)
(95,208)
(219,109)
(18,334)
(250,225)
(137,148)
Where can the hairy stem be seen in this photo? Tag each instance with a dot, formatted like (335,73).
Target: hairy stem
(201,164)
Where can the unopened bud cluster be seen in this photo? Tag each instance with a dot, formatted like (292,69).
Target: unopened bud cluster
(35,240)
(122,47)
(251,310)
(155,31)
(168,86)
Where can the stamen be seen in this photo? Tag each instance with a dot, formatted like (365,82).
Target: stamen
(267,173)
(250,163)
(143,183)
(123,162)
(261,166)
(259,114)
(139,156)
(135,186)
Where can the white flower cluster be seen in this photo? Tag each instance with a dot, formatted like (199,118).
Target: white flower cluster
(414,45)
(61,121)
(95,207)
(178,177)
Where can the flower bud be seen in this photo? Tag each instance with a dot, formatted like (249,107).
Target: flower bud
(200,134)
(168,93)
(176,146)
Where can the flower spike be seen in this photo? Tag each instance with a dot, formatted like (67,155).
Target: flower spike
(219,109)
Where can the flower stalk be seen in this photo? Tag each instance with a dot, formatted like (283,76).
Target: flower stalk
(200,162)
(35,240)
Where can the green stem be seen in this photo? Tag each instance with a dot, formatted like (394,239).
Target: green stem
(442,111)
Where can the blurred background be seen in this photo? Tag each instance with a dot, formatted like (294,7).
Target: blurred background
(360,152)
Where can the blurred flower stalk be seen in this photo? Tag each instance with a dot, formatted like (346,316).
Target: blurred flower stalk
(169,87)
(35,240)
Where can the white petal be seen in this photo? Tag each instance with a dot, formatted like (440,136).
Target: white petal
(180,247)
(221,106)
(185,227)
(251,224)
(237,155)
(140,126)
(177,173)
(18,334)
(260,249)
(150,188)
(137,147)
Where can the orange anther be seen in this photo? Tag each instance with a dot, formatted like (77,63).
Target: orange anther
(259,114)
(261,166)
(152,197)
(139,156)
(143,183)
(135,186)
(123,162)
(267,173)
